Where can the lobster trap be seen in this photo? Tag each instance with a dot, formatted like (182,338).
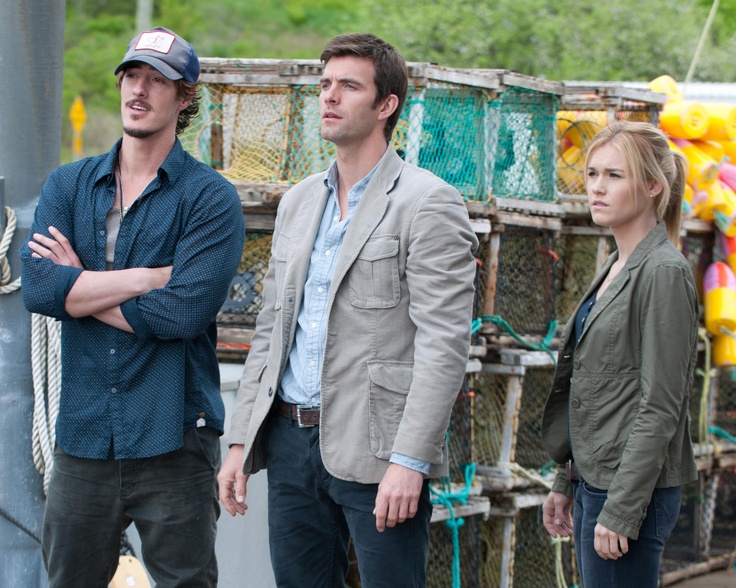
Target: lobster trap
(516,550)
(486,132)
(724,413)
(585,109)
(509,401)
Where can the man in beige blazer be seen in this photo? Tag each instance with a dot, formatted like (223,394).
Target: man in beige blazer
(361,346)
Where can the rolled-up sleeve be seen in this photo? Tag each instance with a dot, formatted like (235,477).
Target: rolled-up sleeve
(206,257)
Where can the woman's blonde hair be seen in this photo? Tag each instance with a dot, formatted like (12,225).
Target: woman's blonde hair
(648,158)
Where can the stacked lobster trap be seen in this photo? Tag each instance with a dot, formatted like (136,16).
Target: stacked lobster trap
(513,146)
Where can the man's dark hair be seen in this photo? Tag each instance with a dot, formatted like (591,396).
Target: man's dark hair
(183,90)
(391,75)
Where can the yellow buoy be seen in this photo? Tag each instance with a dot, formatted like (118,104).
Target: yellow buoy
(702,169)
(719,285)
(684,120)
(713,149)
(724,350)
(667,85)
(721,122)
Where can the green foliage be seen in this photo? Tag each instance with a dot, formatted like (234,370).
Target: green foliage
(560,40)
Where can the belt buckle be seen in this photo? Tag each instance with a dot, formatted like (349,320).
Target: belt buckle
(299,408)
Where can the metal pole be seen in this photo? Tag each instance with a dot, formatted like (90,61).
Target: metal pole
(32,49)
(143,15)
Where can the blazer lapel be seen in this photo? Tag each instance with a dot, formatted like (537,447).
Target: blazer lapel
(304,231)
(367,216)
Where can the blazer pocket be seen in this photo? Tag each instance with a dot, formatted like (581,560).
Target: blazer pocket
(389,385)
(373,281)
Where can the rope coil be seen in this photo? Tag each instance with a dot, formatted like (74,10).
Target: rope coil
(6,286)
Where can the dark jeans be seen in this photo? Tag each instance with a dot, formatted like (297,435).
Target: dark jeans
(640,566)
(312,515)
(171,498)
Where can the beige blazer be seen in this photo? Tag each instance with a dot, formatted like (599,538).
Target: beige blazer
(398,331)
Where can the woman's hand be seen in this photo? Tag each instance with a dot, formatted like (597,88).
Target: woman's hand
(557,514)
(609,545)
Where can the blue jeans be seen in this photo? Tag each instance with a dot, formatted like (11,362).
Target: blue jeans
(171,498)
(640,566)
(312,515)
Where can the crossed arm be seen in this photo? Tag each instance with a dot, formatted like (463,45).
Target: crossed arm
(98,294)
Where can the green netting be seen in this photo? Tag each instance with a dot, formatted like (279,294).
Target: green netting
(482,142)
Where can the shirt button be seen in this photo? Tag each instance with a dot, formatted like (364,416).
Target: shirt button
(312,363)
(270,392)
(335,218)
(113,390)
(327,252)
(575,403)
(320,289)
(102,232)
(314,325)
(314,399)
(112,352)
(576,365)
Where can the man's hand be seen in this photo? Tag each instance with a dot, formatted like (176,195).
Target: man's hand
(609,545)
(232,482)
(55,248)
(398,496)
(556,514)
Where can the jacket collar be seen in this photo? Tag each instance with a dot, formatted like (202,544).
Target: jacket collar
(656,237)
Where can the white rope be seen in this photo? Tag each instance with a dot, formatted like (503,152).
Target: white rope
(529,474)
(46,366)
(6,287)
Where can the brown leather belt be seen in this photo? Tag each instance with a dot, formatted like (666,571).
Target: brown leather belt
(573,475)
(304,414)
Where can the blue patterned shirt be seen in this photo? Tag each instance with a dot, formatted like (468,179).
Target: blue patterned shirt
(300,383)
(137,393)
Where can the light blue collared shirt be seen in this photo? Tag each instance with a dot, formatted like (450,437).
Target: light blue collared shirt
(301,381)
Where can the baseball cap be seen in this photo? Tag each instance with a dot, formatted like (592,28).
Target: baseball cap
(166,51)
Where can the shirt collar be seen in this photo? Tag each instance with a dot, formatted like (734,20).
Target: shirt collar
(171,166)
(330,179)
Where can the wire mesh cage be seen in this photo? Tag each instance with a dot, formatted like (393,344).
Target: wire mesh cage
(508,407)
(586,108)
(244,300)
(536,384)
(523,289)
(580,253)
(517,552)
(441,553)
(697,246)
(687,544)
(486,132)
(724,414)
(723,534)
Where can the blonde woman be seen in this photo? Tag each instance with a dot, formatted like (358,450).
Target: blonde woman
(616,418)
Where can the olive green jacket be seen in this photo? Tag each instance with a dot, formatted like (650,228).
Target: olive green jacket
(625,386)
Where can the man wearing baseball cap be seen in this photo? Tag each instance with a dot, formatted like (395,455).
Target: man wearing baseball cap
(134,251)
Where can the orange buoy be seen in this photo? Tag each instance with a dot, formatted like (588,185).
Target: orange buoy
(719,285)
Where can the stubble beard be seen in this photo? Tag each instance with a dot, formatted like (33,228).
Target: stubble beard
(138,133)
